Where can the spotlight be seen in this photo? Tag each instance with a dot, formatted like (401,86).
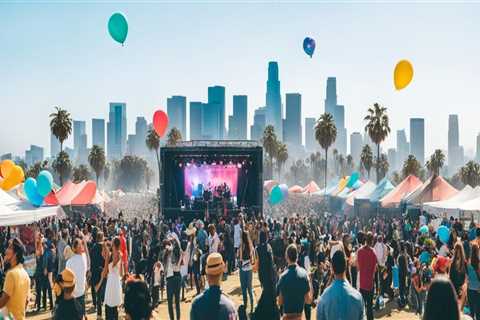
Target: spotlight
(180,164)
(214,163)
(239,165)
(221,162)
(204,163)
(188,164)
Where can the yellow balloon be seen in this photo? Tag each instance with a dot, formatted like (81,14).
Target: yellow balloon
(403,74)
(5,167)
(15,177)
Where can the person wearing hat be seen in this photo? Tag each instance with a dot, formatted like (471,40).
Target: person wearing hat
(66,303)
(212,303)
(17,282)
(441,266)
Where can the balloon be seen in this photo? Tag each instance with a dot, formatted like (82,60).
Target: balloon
(160,122)
(353,179)
(15,177)
(424,257)
(30,187)
(309,46)
(284,189)
(44,183)
(403,74)
(276,195)
(5,167)
(424,229)
(118,27)
(443,234)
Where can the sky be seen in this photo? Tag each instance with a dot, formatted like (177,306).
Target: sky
(60,54)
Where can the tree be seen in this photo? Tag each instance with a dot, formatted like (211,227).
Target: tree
(411,166)
(396,178)
(382,166)
(282,156)
(130,173)
(153,144)
(173,137)
(342,165)
(61,128)
(470,174)
(81,173)
(377,128)
(97,160)
(325,134)
(366,159)
(270,144)
(106,173)
(34,170)
(350,164)
(335,159)
(62,165)
(148,176)
(436,162)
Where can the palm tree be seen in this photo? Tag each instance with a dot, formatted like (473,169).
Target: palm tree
(377,127)
(411,166)
(81,173)
(366,159)
(270,144)
(325,134)
(335,159)
(174,136)
(61,128)
(97,161)
(383,166)
(62,165)
(350,164)
(153,143)
(436,162)
(341,165)
(282,156)
(470,173)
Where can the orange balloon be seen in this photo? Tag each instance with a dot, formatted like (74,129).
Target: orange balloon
(5,167)
(160,122)
(15,177)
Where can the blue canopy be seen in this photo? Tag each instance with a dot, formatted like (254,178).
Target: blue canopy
(383,187)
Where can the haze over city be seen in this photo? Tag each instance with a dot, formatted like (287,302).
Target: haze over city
(52,55)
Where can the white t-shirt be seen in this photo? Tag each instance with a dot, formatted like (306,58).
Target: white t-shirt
(237,235)
(381,252)
(157,276)
(78,264)
(213,242)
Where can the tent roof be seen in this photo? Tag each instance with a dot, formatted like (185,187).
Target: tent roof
(405,187)
(434,189)
(383,187)
(269,184)
(363,192)
(340,186)
(82,193)
(311,187)
(472,204)
(295,189)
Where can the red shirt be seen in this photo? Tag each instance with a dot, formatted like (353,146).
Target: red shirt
(123,250)
(366,261)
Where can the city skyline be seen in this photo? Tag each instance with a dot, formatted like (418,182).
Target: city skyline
(153,64)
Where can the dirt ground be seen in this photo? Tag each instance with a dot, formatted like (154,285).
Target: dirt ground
(232,288)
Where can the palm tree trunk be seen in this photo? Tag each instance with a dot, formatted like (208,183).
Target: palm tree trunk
(96,175)
(326,165)
(60,174)
(377,167)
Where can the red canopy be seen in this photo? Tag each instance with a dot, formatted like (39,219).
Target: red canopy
(71,193)
(405,187)
(434,189)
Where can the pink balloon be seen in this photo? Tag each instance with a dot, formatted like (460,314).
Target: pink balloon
(160,122)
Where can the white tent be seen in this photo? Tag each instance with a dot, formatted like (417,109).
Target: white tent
(473,204)
(451,206)
(363,192)
(14,212)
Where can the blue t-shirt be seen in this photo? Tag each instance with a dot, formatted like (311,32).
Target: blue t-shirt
(293,285)
(340,301)
(473,280)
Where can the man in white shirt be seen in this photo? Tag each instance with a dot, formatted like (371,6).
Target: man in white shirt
(213,239)
(381,252)
(78,263)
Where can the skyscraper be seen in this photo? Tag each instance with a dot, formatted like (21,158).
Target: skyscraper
(403,148)
(98,133)
(453,144)
(177,114)
(293,120)
(33,155)
(392,159)
(117,130)
(417,139)
(356,145)
(259,124)
(310,142)
(80,141)
(331,99)
(54,146)
(274,112)
(237,126)
(196,120)
(141,128)
(338,114)
(214,114)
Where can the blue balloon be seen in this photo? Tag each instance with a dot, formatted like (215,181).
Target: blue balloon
(284,189)
(443,234)
(424,229)
(44,183)
(30,187)
(309,46)
(353,179)
(276,196)
(425,257)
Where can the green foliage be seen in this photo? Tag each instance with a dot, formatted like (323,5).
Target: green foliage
(81,173)
(129,173)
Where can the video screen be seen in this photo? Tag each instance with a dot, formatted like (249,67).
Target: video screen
(199,178)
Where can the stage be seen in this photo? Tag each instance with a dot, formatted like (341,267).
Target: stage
(211,178)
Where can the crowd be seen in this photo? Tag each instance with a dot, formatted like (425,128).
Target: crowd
(303,261)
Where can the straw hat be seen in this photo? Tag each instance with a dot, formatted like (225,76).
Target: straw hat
(67,253)
(215,264)
(68,278)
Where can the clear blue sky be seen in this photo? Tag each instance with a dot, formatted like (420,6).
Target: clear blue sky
(61,54)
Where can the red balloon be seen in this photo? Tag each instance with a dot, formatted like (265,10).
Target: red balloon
(160,122)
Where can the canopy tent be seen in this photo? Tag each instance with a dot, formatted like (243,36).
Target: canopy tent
(393,198)
(452,205)
(434,189)
(330,187)
(346,192)
(340,186)
(311,187)
(295,189)
(82,193)
(472,204)
(363,192)
(383,188)
(269,184)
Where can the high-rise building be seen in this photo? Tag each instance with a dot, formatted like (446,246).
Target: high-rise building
(177,114)
(214,114)
(6,156)
(141,128)
(237,126)
(273,104)
(80,142)
(117,130)
(293,120)
(196,120)
(454,161)
(33,155)
(417,139)
(310,142)
(403,147)
(98,133)
(392,159)
(259,123)
(338,114)
(54,146)
(331,99)
(356,145)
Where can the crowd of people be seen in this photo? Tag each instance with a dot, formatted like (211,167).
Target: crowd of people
(303,262)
